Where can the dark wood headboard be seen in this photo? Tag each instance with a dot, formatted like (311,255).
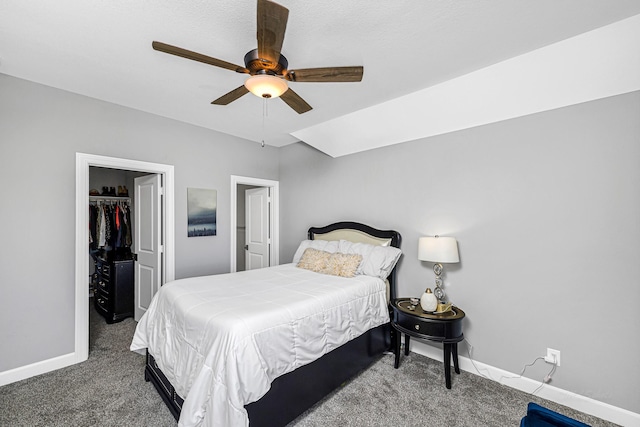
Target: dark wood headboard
(360,233)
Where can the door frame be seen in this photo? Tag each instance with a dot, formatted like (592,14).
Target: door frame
(274,216)
(83,163)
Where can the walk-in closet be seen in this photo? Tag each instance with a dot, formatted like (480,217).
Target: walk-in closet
(111,231)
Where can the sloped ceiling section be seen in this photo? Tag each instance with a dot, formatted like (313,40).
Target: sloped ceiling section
(601,63)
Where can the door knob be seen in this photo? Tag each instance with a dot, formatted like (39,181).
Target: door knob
(246,247)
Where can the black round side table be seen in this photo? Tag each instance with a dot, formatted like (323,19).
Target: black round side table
(414,322)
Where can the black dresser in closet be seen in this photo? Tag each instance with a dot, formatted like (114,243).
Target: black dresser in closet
(114,290)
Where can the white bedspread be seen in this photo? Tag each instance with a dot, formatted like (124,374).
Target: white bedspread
(221,340)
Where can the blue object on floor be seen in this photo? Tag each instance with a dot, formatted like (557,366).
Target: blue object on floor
(538,416)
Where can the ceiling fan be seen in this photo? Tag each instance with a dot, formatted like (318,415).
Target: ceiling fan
(267,67)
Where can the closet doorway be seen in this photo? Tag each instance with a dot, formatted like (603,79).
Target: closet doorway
(88,165)
(254,213)
(129,201)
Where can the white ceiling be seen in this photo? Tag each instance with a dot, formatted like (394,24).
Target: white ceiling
(102,49)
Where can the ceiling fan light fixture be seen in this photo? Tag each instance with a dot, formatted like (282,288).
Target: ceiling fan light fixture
(266,86)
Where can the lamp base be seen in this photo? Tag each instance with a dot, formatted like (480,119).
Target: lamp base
(438,291)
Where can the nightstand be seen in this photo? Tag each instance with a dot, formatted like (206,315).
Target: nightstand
(445,328)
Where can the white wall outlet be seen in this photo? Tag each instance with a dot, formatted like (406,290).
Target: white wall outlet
(553,356)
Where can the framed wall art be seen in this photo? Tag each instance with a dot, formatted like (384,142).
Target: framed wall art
(201,212)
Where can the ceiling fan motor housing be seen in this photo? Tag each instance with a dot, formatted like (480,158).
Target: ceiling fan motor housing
(257,65)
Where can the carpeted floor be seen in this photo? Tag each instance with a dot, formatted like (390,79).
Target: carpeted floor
(109,390)
(106,390)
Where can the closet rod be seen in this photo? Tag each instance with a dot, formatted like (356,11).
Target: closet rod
(109,198)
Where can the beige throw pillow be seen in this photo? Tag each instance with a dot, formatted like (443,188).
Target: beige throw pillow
(344,265)
(314,260)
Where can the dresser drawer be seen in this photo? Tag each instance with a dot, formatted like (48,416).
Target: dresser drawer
(101,302)
(104,269)
(103,285)
(422,326)
(177,399)
(156,372)
(168,393)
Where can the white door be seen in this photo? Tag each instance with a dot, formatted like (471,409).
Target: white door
(147,241)
(257,238)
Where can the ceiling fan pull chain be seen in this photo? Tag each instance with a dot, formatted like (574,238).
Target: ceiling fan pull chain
(264,114)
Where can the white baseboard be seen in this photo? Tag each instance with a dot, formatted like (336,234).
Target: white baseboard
(578,402)
(28,371)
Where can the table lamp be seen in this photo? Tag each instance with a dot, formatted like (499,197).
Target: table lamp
(438,250)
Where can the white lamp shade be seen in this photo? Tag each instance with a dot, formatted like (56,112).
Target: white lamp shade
(266,86)
(438,249)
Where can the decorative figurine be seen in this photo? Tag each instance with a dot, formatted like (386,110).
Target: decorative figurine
(428,301)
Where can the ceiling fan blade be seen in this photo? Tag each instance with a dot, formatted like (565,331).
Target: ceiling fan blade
(327,74)
(231,96)
(272,23)
(294,101)
(178,51)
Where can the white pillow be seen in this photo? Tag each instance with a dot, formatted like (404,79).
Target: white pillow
(321,245)
(377,261)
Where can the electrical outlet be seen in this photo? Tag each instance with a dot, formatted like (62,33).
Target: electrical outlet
(553,356)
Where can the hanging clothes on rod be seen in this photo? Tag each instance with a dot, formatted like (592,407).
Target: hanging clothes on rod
(109,224)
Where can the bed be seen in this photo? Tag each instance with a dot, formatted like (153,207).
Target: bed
(263,346)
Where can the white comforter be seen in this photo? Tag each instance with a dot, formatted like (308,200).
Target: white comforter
(221,340)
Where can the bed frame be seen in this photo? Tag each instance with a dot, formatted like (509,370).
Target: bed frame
(292,394)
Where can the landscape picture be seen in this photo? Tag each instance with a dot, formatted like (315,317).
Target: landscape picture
(201,212)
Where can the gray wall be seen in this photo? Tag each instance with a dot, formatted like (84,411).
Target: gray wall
(546,211)
(41,129)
